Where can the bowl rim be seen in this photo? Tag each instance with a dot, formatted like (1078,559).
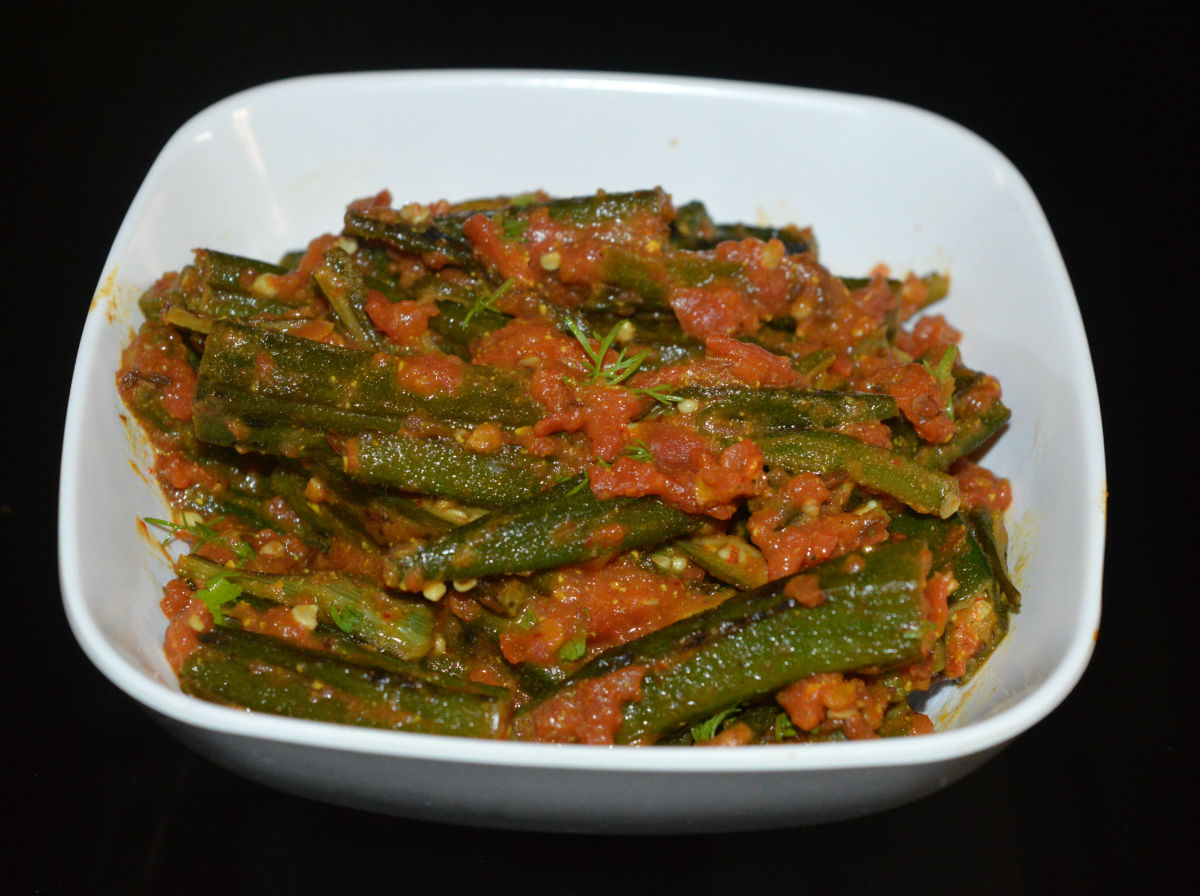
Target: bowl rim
(972,738)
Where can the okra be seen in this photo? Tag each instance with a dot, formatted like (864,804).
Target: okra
(564,524)
(346,290)
(694,228)
(448,469)
(750,412)
(251,671)
(922,489)
(396,625)
(255,388)
(219,286)
(755,642)
(727,558)
(396,231)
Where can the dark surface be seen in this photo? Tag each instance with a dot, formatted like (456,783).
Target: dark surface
(1099,122)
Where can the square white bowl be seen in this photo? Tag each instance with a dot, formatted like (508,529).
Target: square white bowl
(880,182)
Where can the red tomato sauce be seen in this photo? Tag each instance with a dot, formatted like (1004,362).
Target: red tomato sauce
(608,606)
(430,374)
(403,322)
(587,713)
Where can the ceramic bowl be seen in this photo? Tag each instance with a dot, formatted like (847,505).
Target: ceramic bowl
(265,170)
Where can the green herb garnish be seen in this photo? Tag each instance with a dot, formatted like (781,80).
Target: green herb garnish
(659,394)
(514,228)
(346,619)
(487,301)
(943,372)
(612,373)
(572,650)
(218,592)
(707,729)
(203,535)
(199,531)
(640,451)
(784,727)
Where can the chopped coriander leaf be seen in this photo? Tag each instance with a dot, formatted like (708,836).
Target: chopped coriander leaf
(203,535)
(514,228)
(216,594)
(943,372)
(707,729)
(574,649)
(784,727)
(346,619)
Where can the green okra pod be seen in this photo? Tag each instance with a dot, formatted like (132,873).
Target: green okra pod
(755,642)
(869,617)
(255,387)
(392,624)
(564,524)
(402,233)
(693,228)
(346,290)
(922,489)
(220,286)
(448,469)
(750,412)
(256,672)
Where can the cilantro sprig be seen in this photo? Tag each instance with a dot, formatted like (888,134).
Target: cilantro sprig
(616,371)
(707,729)
(659,394)
(346,618)
(218,592)
(202,534)
(640,451)
(487,301)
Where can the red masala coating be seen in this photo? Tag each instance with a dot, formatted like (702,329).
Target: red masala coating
(971,627)
(611,605)
(562,259)
(288,285)
(799,527)
(187,618)
(752,365)
(922,399)
(158,356)
(832,702)
(586,713)
(686,471)
(931,335)
(529,343)
(601,412)
(403,322)
(716,310)
(832,316)
(430,374)
(980,488)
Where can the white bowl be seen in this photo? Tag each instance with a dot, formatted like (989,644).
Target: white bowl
(265,170)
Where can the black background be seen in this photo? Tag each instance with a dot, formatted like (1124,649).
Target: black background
(1097,114)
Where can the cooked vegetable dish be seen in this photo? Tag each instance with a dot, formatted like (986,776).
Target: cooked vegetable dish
(577,470)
